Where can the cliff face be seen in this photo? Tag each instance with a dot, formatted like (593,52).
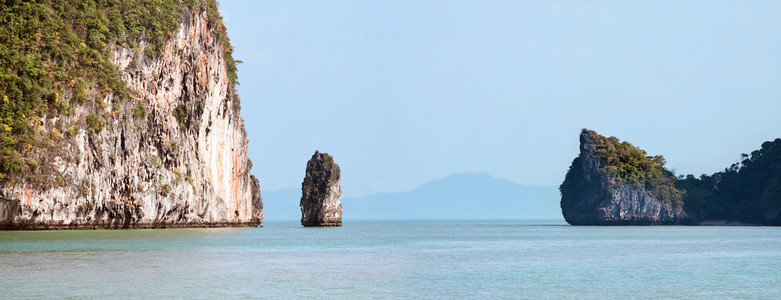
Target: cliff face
(592,196)
(320,192)
(174,156)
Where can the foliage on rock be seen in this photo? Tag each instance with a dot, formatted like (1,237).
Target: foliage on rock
(623,163)
(96,123)
(748,191)
(56,55)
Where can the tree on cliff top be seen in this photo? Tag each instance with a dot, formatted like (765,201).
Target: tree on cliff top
(748,191)
(623,163)
(56,55)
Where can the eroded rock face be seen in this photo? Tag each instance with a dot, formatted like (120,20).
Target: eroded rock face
(149,170)
(588,197)
(320,192)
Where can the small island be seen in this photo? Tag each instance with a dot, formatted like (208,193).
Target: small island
(320,192)
(615,183)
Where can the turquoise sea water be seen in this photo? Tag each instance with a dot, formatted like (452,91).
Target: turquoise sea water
(468,259)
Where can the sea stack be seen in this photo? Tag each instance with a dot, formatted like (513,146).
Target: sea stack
(320,192)
(614,183)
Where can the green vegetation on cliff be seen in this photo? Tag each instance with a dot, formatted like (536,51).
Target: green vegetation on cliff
(623,163)
(748,191)
(55,55)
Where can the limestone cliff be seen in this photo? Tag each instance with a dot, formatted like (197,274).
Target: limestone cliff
(173,156)
(613,183)
(320,192)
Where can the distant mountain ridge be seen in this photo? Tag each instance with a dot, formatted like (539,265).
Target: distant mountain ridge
(457,196)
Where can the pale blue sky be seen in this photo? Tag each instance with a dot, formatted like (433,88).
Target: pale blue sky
(404,92)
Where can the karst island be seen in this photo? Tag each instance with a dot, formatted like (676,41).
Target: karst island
(615,183)
(320,191)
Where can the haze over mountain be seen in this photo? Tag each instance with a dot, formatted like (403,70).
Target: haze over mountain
(407,91)
(458,196)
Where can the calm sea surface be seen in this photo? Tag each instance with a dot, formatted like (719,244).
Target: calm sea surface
(451,260)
